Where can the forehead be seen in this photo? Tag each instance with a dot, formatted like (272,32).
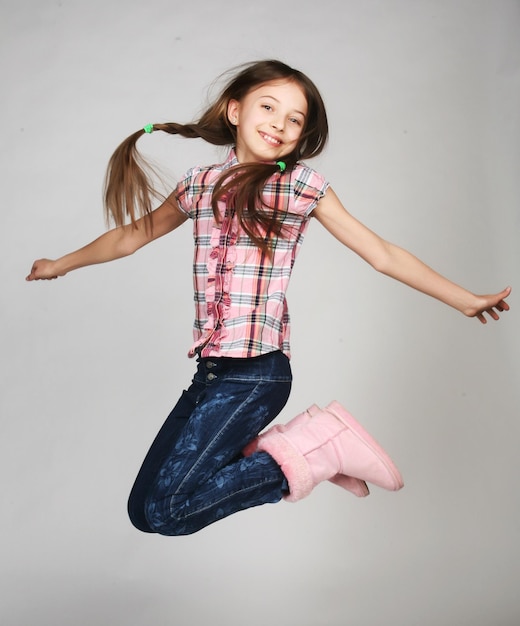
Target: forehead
(286,91)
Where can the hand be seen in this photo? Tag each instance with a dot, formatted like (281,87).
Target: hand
(490,304)
(44,269)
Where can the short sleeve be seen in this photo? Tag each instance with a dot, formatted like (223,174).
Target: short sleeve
(309,189)
(184,191)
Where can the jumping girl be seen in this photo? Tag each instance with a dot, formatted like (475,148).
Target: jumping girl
(249,216)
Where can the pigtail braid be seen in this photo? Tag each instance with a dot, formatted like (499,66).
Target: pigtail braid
(129,190)
(242,188)
(213,130)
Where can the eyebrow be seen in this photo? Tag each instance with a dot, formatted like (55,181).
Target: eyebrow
(276,100)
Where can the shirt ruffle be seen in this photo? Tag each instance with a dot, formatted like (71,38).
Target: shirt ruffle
(220,265)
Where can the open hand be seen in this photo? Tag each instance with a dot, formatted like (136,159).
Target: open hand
(491,304)
(43,269)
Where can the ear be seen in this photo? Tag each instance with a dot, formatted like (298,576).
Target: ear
(232,111)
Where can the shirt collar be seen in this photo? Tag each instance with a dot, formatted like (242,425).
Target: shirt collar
(231,159)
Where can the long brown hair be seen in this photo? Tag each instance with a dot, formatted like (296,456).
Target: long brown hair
(129,189)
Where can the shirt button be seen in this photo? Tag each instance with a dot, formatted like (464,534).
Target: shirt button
(211,376)
(210,364)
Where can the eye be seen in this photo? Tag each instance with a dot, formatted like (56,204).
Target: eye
(267,107)
(295,120)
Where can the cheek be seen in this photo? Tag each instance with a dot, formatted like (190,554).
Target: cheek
(296,133)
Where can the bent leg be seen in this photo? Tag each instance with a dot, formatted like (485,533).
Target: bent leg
(205,477)
(159,451)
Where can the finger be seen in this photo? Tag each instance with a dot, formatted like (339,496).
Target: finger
(481,318)
(492,313)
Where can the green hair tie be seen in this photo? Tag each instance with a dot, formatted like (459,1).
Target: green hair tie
(281,165)
(148,128)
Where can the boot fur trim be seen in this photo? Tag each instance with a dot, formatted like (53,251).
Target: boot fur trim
(292,463)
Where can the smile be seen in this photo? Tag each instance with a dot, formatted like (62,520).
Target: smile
(271,140)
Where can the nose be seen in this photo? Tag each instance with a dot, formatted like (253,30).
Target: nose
(277,124)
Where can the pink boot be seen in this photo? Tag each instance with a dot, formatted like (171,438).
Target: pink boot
(354,485)
(329,444)
(252,446)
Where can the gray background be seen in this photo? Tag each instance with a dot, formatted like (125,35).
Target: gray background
(424,103)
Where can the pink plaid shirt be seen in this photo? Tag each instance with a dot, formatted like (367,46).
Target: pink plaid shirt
(240,304)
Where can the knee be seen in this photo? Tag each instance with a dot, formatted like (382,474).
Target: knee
(137,516)
(163,521)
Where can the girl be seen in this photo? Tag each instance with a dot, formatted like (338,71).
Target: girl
(249,215)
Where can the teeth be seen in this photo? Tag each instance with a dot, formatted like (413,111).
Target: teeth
(271,140)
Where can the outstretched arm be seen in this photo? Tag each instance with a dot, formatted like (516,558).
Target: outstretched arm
(114,244)
(396,262)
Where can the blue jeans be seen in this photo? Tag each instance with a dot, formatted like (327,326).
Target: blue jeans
(194,473)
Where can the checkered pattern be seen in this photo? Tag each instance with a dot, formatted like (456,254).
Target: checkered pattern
(240,305)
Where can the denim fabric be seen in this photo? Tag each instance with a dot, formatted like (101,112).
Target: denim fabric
(194,473)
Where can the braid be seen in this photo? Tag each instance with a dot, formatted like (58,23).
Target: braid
(218,134)
(242,188)
(128,183)
(129,190)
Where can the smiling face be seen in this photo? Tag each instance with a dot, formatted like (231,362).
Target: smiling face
(269,121)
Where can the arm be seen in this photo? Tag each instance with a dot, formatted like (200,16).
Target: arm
(114,244)
(397,263)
